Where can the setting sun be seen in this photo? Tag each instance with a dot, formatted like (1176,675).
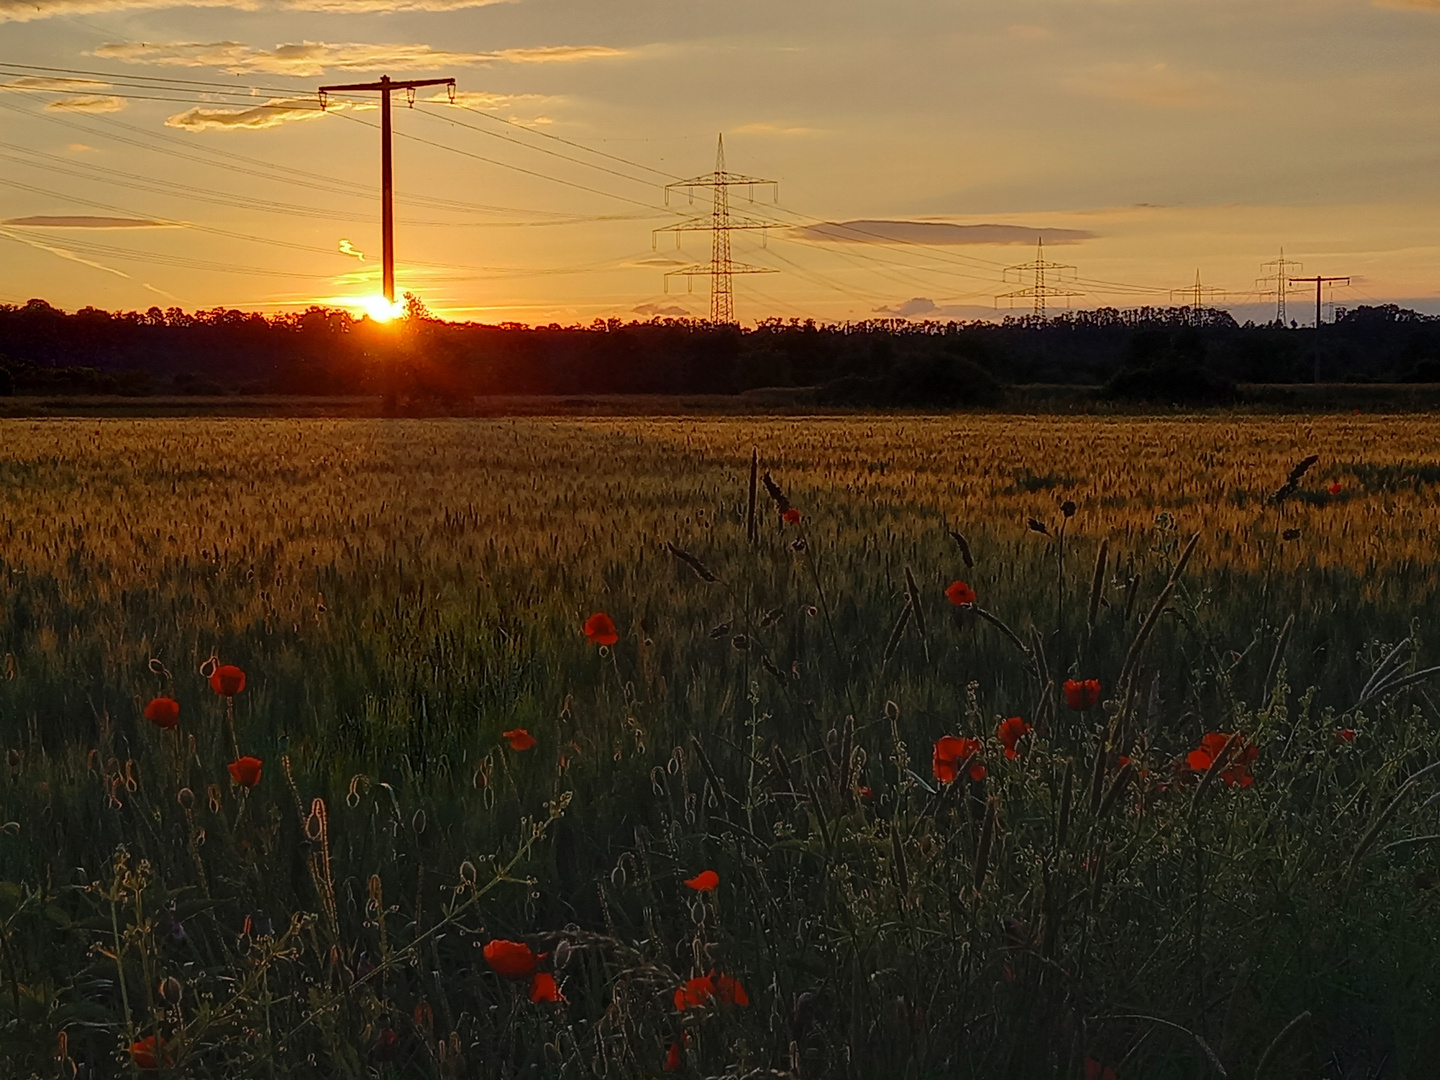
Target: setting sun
(381,310)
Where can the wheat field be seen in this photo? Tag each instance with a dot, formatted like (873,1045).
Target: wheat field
(404,596)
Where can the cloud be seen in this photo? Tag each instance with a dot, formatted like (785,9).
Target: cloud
(63,253)
(81,221)
(44,84)
(775,129)
(918,305)
(269,114)
(924,307)
(27,10)
(659,260)
(935,232)
(88,103)
(1155,85)
(347,248)
(308,59)
(81,95)
(654,310)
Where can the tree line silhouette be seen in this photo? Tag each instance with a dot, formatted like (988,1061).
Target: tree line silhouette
(1145,353)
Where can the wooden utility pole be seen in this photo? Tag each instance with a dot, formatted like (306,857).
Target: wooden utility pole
(387,186)
(1320,280)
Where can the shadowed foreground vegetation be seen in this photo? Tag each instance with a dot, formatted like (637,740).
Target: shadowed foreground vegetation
(407,602)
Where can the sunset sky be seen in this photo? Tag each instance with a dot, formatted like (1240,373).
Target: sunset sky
(1157,138)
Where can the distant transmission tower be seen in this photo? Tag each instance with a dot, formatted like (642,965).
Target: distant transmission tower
(1197,296)
(1283,269)
(720,225)
(1043,287)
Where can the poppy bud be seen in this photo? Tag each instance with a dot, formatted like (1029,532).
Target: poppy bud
(741,642)
(1068,508)
(171,991)
(186,798)
(1290,534)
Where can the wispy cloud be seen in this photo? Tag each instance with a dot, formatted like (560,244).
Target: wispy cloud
(765,128)
(87,103)
(79,95)
(44,84)
(27,10)
(308,59)
(1156,85)
(60,252)
(84,221)
(268,114)
(935,232)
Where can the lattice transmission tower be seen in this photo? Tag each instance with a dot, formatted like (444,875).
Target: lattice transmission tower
(1049,280)
(1283,271)
(720,224)
(1196,297)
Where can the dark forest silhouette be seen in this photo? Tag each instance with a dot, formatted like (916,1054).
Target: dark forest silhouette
(1140,354)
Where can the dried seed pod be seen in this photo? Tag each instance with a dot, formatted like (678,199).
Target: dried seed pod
(171,991)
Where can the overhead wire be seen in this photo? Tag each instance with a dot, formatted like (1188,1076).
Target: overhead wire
(941,261)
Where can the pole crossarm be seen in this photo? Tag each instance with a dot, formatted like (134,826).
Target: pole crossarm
(386,84)
(387,185)
(1319,281)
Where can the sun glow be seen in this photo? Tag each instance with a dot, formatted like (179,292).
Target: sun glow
(381,310)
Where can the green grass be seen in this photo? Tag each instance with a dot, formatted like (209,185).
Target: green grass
(400,593)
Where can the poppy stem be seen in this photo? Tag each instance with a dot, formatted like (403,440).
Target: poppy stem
(230,727)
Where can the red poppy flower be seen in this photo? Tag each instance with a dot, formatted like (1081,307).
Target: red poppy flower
(227,680)
(951,752)
(245,771)
(163,712)
(1236,772)
(600,629)
(728,990)
(543,988)
(511,959)
(1082,694)
(148,1052)
(694,993)
(702,989)
(1336,488)
(959,594)
(1010,732)
(1346,734)
(866,793)
(672,1057)
(519,739)
(705,881)
(791,516)
(1095,1071)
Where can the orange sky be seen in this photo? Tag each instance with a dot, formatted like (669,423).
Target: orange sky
(1166,138)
